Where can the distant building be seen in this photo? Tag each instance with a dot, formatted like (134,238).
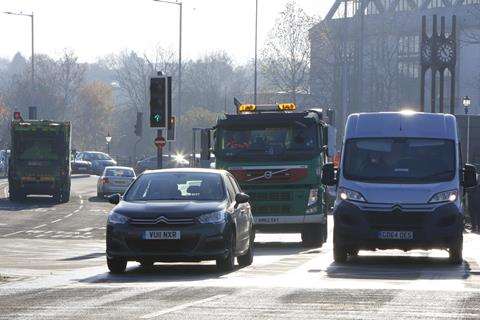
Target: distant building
(371,61)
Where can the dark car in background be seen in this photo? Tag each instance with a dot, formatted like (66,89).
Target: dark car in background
(177,215)
(150,163)
(99,160)
(81,166)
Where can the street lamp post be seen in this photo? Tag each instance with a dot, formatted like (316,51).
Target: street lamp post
(180,5)
(466,101)
(31,16)
(108,138)
(255,77)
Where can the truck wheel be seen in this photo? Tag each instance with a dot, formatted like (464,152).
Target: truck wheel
(313,235)
(66,194)
(116,265)
(455,251)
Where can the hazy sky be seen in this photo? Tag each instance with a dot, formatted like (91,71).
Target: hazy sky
(94,28)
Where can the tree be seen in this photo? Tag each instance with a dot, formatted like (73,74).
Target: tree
(92,116)
(286,56)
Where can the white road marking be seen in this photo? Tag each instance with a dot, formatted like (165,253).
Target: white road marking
(85,229)
(55,221)
(40,226)
(13,233)
(180,307)
(2,224)
(68,215)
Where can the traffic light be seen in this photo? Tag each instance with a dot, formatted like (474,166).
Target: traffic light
(17,116)
(205,144)
(331,116)
(158,102)
(171,129)
(139,124)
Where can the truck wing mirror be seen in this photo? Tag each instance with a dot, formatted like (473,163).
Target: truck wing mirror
(469,176)
(328,174)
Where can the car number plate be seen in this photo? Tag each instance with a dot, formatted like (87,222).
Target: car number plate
(161,235)
(396,235)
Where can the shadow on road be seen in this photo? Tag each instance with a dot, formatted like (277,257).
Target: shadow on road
(27,204)
(397,268)
(97,199)
(159,273)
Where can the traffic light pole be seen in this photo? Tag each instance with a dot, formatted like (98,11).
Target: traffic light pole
(159,151)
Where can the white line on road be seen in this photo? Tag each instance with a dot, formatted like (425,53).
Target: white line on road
(55,221)
(40,226)
(13,233)
(68,215)
(180,307)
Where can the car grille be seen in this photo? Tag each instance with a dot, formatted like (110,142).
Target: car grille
(186,244)
(271,209)
(389,221)
(270,196)
(161,221)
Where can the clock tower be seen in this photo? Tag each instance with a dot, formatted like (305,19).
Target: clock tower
(438,53)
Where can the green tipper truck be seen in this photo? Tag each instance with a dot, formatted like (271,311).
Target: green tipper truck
(277,155)
(40,159)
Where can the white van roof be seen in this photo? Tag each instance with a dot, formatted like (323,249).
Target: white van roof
(401,124)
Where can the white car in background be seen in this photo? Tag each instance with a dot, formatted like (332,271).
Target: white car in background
(115,179)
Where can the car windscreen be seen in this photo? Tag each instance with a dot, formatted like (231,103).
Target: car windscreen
(96,156)
(121,173)
(399,160)
(188,186)
(268,140)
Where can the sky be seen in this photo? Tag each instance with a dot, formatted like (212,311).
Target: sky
(96,28)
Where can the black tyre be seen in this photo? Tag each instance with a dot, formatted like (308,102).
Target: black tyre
(455,251)
(66,194)
(313,235)
(227,264)
(340,253)
(247,259)
(100,195)
(116,265)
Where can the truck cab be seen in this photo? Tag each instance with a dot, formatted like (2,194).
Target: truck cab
(400,184)
(277,154)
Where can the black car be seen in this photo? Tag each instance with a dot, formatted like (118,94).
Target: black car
(99,160)
(81,166)
(181,215)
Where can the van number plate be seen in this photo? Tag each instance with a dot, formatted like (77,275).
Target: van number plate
(396,235)
(161,235)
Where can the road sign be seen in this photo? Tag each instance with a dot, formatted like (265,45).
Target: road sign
(160,142)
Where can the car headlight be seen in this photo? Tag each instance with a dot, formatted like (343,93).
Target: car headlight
(116,218)
(445,196)
(214,217)
(312,197)
(347,194)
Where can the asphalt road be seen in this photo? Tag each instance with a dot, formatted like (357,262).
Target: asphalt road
(52,267)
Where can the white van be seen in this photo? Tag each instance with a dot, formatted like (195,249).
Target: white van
(400,184)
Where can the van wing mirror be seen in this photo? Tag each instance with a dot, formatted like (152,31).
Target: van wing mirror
(328,174)
(114,198)
(469,176)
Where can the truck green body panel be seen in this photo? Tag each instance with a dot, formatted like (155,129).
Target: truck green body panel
(40,158)
(279,185)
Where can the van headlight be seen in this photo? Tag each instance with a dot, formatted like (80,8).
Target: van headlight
(347,194)
(445,196)
(214,217)
(312,197)
(116,218)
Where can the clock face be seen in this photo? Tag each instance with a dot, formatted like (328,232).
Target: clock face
(426,53)
(445,53)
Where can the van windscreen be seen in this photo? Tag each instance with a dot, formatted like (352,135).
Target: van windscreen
(399,160)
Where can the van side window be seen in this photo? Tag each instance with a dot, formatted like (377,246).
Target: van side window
(235,185)
(230,188)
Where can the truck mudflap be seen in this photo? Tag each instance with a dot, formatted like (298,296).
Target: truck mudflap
(299,219)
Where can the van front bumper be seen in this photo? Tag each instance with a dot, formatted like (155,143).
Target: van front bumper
(359,229)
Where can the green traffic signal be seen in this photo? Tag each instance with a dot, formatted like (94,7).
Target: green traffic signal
(157,117)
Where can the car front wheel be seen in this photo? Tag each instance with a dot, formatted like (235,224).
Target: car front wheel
(116,265)
(227,263)
(247,259)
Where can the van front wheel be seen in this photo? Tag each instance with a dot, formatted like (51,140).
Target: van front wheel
(455,251)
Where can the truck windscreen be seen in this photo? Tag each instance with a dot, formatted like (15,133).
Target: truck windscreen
(399,160)
(267,140)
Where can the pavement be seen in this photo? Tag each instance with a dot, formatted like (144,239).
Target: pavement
(53,259)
